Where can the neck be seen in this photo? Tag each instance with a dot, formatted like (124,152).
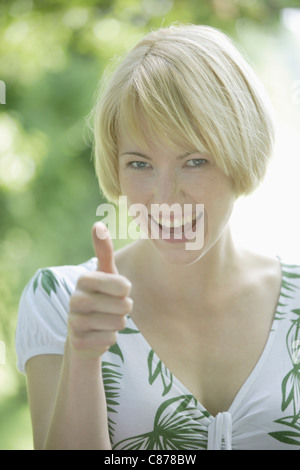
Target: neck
(202,277)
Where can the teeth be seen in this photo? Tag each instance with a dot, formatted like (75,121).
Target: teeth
(176,223)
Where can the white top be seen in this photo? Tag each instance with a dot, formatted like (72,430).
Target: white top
(148,407)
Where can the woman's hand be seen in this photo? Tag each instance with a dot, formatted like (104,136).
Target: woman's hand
(100,302)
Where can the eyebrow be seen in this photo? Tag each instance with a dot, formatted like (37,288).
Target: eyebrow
(140,154)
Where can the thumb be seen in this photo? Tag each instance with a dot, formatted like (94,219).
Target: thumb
(104,248)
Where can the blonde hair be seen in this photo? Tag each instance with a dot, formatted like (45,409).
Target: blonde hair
(193,88)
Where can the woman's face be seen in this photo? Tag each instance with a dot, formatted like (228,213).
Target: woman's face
(203,196)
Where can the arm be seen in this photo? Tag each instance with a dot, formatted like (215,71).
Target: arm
(66,393)
(67,402)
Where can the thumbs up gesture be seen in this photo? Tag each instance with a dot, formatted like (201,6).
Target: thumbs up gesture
(104,249)
(100,302)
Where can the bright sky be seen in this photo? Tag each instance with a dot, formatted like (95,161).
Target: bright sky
(269,220)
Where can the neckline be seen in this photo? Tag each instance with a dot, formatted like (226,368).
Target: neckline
(233,408)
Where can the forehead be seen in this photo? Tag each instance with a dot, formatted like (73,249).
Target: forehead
(148,143)
(138,135)
(150,147)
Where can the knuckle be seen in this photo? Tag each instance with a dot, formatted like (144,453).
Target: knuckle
(81,282)
(72,302)
(105,340)
(77,323)
(81,301)
(75,300)
(89,280)
(127,304)
(125,285)
(111,338)
(120,322)
(72,323)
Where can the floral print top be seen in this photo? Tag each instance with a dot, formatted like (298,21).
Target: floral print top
(148,407)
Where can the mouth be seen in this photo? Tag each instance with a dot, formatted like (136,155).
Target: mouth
(174,222)
(178,228)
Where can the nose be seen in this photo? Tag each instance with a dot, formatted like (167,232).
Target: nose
(168,189)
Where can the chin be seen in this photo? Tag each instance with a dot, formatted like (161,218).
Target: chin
(177,254)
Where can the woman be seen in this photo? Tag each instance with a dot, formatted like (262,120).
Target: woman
(204,356)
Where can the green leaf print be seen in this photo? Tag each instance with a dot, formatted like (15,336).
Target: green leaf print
(128,331)
(288,437)
(47,279)
(115,348)
(291,382)
(290,275)
(292,338)
(291,392)
(66,287)
(289,421)
(157,369)
(287,284)
(111,381)
(177,426)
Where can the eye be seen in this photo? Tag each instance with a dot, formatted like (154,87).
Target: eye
(138,165)
(196,162)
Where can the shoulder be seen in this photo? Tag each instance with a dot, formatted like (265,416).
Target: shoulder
(70,272)
(289,299)
(43,310)
(270,268)
(273,278)
(52,279)
(50,288)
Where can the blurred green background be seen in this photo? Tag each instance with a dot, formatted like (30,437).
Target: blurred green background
(52,55)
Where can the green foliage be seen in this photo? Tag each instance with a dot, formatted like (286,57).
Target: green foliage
(53,54)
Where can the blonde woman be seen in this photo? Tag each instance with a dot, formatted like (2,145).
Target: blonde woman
(157,346)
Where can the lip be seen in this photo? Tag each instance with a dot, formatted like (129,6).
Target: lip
(180,234)
(174,222)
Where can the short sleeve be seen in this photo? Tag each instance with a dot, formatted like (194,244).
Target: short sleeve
(42,316)
(42,325)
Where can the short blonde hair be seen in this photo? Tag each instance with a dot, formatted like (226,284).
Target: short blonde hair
(195,89)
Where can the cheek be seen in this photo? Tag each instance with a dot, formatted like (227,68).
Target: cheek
(126,183)
(136,188)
